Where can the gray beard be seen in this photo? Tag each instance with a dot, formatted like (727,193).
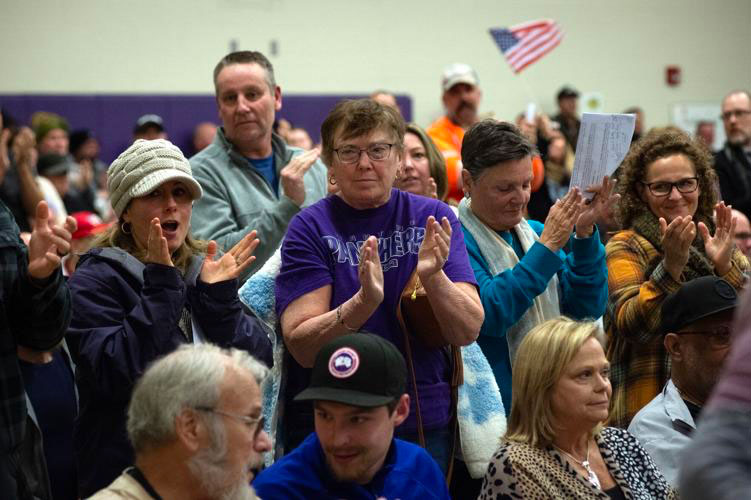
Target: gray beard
(208,467)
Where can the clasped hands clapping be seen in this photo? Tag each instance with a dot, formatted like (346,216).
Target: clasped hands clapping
(431,257)
(679,234)
(573,210)
(229,266)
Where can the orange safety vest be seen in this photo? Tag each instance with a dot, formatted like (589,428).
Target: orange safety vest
(448,137)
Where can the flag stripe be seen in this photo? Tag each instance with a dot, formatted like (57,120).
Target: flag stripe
(533,46)
(531,43)
(528,61)
(525,43)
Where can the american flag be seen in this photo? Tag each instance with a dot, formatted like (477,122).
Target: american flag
(526,43)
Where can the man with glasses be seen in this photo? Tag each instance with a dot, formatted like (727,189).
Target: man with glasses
(733,161)
(742,233)
(696,320)
(196,426)
(251,178)
(358,388)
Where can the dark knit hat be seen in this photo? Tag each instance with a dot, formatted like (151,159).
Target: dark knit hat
(43,122)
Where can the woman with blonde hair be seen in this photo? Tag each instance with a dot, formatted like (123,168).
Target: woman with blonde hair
(555,444)
(146,288)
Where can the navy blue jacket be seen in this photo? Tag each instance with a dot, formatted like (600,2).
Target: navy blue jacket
(125,315)
(407,473)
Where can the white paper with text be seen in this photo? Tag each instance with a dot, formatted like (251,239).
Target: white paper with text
(604,139)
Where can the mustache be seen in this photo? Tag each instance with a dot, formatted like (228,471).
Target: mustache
(466,105)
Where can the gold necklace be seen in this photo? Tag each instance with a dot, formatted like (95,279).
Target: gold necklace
(591,476)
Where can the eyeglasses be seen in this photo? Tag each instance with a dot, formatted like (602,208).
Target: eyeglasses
(687,185)
(376,152)
(253,424)
(738,113)
(718,338)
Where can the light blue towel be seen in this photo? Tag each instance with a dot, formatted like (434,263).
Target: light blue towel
(482,419)
(258,294)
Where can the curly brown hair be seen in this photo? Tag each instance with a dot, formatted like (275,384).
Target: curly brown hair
(660,143)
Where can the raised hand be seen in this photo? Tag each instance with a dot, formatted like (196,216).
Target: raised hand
(676,242)
(370,272)
(597,207)
(561,219)
(233,263)
(4,159)
(719,247)
(49,243)
(292,176)
(157,250)
(432,189)
(435,247)
(24,150)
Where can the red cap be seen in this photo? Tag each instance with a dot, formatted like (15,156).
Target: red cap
(89,224)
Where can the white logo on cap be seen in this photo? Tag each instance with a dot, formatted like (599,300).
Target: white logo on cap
(344,362)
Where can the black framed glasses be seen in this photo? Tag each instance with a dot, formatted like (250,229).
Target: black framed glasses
(718,338)
(376,152)
(738,113)
(254,424)
(662,188)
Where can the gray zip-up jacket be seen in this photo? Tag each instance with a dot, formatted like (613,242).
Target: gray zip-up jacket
(238,199)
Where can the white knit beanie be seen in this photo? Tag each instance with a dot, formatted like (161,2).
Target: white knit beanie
(143,167)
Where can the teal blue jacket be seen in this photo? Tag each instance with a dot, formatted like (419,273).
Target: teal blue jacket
(506,296)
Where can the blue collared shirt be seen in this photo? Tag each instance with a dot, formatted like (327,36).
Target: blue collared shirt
(664,428)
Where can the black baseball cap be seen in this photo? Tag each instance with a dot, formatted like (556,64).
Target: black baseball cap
(567,92)
(695,300)
(359,369)
(148,121)
(52,164)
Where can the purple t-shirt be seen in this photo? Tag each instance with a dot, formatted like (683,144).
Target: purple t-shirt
(322,248)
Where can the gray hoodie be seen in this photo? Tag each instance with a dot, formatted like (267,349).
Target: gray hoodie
(237,198)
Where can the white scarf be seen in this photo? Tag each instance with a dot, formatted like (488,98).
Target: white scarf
(500,256)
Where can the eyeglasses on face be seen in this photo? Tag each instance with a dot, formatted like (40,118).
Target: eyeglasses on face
(718,338)
(376,152)
(661,188)
(738,113)
(254,424)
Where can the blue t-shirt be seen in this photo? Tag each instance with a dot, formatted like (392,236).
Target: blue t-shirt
(51,389)
(407,473)
(322,248)
(267,168)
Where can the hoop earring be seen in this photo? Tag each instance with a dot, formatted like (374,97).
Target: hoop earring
(332,181)
(125,227)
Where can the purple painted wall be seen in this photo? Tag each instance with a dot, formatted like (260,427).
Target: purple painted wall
(112,117)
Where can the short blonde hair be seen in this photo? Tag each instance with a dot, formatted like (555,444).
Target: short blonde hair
(540,362)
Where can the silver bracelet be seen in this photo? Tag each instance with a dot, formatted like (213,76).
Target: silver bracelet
(340,319)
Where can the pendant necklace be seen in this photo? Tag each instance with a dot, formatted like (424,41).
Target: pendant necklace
(591,476)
